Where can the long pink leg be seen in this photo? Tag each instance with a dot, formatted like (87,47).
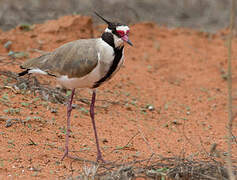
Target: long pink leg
(69,110)
(99,154)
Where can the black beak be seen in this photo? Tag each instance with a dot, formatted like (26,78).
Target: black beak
(130,43)
(126,39)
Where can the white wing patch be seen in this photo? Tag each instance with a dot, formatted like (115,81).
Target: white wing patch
(37,71)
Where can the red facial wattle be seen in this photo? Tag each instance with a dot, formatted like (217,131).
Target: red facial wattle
(121,33)
(124,36)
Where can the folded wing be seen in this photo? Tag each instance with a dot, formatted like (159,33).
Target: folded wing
(74,59)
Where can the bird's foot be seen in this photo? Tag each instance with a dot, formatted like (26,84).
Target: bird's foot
(100,158)
(65,154)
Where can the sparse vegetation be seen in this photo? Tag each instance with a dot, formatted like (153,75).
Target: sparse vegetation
(158,118)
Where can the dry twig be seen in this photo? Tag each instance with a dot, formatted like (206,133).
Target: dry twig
(229,82)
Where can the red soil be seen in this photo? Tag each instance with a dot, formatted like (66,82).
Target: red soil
(180,72)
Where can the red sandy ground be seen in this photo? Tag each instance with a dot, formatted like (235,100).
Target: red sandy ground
(180,72)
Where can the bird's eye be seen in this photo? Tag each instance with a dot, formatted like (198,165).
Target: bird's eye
(121,33)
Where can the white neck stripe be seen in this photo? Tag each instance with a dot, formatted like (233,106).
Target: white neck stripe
(122,28)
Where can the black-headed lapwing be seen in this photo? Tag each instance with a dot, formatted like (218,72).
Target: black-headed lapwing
(84,63)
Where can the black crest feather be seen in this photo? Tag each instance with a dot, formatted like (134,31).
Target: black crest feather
(103,18)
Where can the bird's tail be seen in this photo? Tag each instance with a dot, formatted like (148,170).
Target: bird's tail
(23,72)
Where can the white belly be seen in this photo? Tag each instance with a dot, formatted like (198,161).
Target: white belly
(87,81)
(83,82)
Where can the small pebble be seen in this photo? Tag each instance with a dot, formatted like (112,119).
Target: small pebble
(175,122)
(8,44)
(150,107)
(74,106)
(9,123)
(105,141)
(11,53)
(54,111)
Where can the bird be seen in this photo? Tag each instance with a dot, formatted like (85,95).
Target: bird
(83,63)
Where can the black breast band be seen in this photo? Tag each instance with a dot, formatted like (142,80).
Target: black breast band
(118,53)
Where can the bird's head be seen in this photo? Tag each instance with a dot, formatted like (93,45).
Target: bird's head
(120,32)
